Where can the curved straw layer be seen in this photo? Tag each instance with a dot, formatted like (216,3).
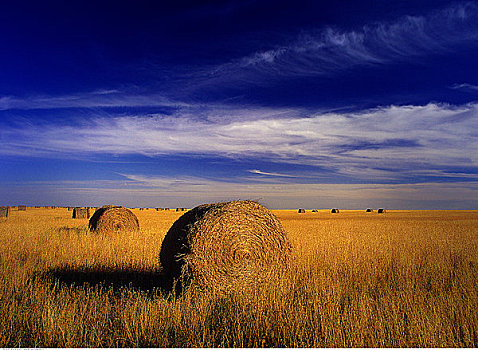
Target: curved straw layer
(111,218)
(224,246)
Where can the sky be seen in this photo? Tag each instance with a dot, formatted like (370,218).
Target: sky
(311,104)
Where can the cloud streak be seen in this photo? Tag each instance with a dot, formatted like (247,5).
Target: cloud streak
(94,99)
(259,172)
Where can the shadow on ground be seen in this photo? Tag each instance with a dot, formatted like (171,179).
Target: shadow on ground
(118,279)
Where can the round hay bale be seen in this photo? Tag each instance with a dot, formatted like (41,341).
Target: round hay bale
(369,210)
(381,210)
(301,210)
(110,218)
(224,246)
(4,211)
(335,210)
(80,213)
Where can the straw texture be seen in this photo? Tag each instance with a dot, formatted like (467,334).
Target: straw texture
(225,246)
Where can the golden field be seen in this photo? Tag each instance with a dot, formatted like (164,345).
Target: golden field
(399,279)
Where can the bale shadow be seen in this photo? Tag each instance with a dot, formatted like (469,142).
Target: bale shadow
(149,281)
(72,230)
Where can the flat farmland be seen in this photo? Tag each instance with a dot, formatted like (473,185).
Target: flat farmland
(398,279)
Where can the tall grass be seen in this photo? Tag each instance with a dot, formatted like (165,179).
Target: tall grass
(400,279)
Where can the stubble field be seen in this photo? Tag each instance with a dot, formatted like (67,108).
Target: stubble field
(403,278)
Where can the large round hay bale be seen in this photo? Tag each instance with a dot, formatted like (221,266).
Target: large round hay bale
(110,218)
(225,246)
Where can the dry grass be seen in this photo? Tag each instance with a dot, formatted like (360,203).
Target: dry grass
(358,279)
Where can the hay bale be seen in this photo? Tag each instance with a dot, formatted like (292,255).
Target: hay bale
(4,211)
(368,210)
(335,210)
(111,218)
(381,210)
(223,246)
(301,210)
(22,207)
(315,211)
(81,213)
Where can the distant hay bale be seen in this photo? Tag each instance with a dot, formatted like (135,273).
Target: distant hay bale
(335,210)
(315,211)
(368,210)
(110,218)
(81,213)
(301,210)
(22,207)
(381,210)
(4,211)
(226,245)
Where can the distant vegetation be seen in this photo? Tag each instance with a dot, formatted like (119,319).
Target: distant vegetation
(357,279)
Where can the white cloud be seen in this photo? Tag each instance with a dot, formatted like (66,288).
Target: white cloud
(384,143)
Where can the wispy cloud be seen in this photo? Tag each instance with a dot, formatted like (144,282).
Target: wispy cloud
(328,50)
(465,87)
(93,99)
(383,143)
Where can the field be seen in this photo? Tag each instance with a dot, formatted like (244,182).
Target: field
(399,279)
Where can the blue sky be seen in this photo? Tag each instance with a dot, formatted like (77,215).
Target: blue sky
(348,104)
